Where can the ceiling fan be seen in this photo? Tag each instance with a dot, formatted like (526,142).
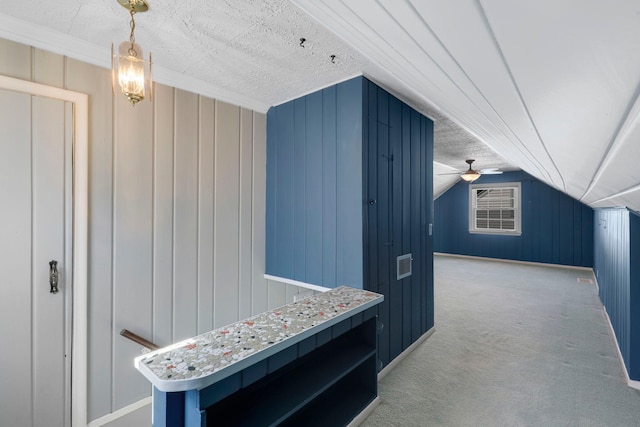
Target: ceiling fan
(471,174)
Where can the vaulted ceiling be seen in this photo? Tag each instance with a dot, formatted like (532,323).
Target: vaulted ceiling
(551,87)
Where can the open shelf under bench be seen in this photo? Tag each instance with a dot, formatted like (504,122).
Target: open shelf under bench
(322,370)
(326,375)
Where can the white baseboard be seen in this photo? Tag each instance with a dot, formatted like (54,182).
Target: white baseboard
(359,419)
(405,353)
(631,383)
(120,413)
(514,261)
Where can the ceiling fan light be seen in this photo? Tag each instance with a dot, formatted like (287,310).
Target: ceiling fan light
(470,176)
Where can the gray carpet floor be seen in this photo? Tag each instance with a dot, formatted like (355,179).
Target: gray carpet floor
(515,345)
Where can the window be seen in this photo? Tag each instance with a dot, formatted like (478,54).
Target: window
(495,208)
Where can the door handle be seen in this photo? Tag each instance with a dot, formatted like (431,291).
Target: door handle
(53,276)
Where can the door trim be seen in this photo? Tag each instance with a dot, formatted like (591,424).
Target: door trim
(80,184)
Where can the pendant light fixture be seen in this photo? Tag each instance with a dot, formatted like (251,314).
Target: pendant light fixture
(129,69)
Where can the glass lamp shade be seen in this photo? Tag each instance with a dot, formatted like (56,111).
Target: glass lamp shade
(132,72)
(470,175)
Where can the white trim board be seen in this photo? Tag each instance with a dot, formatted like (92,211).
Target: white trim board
(122,412)
(399,358)
(513,261)
(631,383)
(80,229)
(297,283)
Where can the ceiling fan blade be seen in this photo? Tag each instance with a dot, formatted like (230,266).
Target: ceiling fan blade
(490,172)
(450,173)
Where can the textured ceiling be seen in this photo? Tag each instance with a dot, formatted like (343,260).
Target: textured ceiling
(551,86)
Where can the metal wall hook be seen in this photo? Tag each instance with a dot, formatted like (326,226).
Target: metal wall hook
(53,276)
(302,40)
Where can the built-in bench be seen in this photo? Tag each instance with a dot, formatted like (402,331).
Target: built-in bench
(311,362)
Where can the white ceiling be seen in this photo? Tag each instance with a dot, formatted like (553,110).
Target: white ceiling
(552,87)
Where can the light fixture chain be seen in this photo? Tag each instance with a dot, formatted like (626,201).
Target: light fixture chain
(132,37)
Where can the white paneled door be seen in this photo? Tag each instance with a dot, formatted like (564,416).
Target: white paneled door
(36,138)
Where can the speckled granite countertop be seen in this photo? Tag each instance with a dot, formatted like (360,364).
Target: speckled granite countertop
(198,362)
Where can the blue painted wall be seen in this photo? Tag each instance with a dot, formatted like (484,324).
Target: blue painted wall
(314,187)
(556,228)
(399,178)
(328,155)
(617,268)
(634,296)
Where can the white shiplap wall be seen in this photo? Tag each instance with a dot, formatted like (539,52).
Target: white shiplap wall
(176,218)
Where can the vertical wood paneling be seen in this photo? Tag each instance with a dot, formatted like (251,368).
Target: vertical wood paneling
(546,224)
(616,242)
(276,294)
(406,219)
(349,182)
(374,238)
(206,209)
(417,212)
(132,240)
(283,191)
(48,68)
(576,233)
(343,139)
(428,318)
(402,207)
(271,229)
(245,213)
(383,207)
(313,188)
(556,229)
(397,287)
(227,201)
(16,233)
(259,283)
(634,296)
(19,64)
(163,196)
(96,82)
(146,187)
(329,187)
(586,233)
(185,228)
(299,190)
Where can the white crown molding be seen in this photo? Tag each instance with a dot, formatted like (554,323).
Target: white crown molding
(40,37)
(30,34)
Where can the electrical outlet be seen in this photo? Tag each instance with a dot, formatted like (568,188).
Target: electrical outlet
(302,295)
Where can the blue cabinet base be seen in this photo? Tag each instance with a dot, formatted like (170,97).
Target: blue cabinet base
(326,379)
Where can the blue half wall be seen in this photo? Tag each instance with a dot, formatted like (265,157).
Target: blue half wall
(556,228)
(314,187)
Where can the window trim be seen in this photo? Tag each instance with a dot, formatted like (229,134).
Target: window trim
(518,209)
